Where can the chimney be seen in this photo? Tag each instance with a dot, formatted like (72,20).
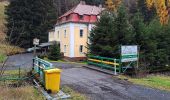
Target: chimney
(82,2)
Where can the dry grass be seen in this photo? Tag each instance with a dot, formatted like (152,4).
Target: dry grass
(20,93)
(9,49)
(2,15)
(74,95)
(17,89)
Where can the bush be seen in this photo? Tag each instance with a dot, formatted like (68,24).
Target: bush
(54,52)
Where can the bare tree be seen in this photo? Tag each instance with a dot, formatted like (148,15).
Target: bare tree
(7,48)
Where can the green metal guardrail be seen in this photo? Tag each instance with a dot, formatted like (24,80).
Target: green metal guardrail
(105,63)
(39,65)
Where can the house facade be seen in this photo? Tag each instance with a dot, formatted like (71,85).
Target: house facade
(73,28)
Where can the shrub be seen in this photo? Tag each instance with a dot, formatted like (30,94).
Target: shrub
(54,52)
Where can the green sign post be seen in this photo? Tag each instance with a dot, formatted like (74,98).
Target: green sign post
(129,55)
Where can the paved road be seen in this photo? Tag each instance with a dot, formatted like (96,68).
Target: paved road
(96,85)
(21,60)
(99,86)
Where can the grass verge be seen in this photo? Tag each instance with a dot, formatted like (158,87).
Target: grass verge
(154,81)
(74,95)
(26,92)
(17,89)
(2,58)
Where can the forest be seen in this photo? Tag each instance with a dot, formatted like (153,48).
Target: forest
(128,22)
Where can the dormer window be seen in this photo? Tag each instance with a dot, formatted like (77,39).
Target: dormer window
(68,17)
(81,17)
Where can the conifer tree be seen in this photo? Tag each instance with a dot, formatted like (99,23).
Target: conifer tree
(102,35)
(28,19)
(54,53)
(122,27)
(110,33)
(148,14)
(94,2)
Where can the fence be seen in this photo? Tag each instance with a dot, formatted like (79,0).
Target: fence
(39,65)
(105,63)
(15,72)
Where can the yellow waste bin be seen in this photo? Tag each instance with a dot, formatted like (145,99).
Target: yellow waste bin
(52,80)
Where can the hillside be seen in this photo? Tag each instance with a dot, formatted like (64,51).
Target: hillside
(6,48)
(2,18)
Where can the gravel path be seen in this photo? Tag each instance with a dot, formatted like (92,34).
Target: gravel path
(94,84)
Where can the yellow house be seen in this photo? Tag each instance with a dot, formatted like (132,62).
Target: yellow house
(72,30)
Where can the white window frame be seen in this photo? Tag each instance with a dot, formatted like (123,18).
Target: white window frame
(65,48)
(65,33)
(81,48)
(58,34)
(82,33)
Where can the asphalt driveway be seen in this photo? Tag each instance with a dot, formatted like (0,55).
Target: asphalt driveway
(100,86)
(24,61)
(94,84)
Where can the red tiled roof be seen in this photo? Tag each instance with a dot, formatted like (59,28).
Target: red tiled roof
(82,9)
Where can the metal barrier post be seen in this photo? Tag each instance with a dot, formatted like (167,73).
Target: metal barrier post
(115,66)
(19,72)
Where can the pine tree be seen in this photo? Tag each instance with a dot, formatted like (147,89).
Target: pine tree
(122,27)
(162,54)
(140,37)
(139,30)
(94,2)
(54,52)
(28,19)
(110,33)
(102,35)
(148,14)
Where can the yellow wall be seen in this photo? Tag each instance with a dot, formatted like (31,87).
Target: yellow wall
(51,36)
(58,33)
(65,40)
(72,32)
(80,41)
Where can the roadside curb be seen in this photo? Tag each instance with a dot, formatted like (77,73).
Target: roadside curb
(100,70)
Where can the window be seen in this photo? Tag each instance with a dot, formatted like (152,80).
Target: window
(68,17)
(81,17)
(65,48)
(58,34)
(51,35)
(81,33)
(65,33)
(81,49)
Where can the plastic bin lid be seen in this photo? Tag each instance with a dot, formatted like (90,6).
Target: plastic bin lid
(56,70)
